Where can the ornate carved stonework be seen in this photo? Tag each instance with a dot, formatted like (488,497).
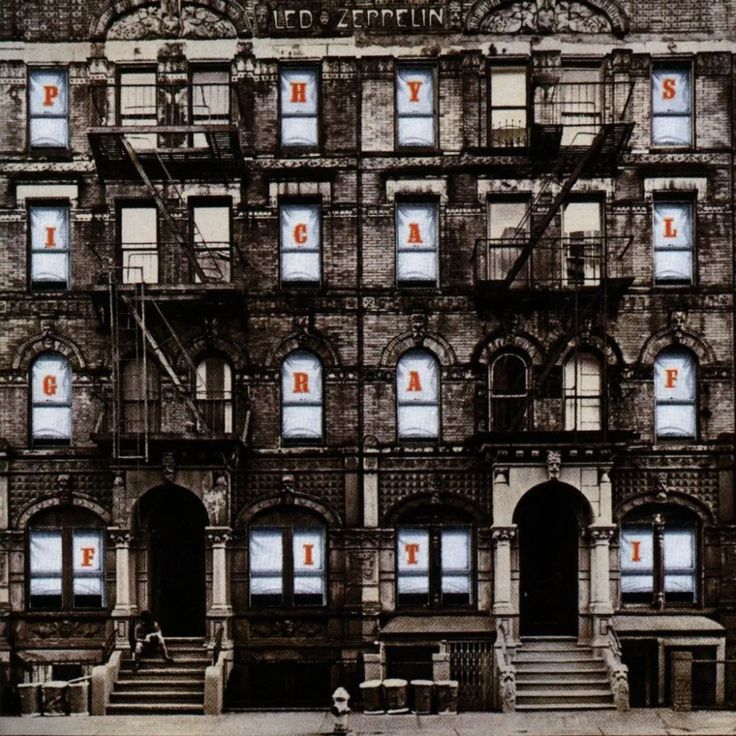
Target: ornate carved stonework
(65,629)
(554,464)
(503,533)
(215,501)
(287,628)
(170,22)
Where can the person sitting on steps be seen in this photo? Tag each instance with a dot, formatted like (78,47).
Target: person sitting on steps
(149,639)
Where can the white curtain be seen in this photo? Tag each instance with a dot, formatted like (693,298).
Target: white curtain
(49,108)
(582,388)
(49,244)
(88,562)
(301,238)
(671,107)
(416,235)
(46,562)
(309,562)
(417,390)
(673,241)
(301,396)
(415,103)
(299,100)
(51,394)
(412,552)
(455,560)
(679,560)
(637,559)
(266,562)
(675,393)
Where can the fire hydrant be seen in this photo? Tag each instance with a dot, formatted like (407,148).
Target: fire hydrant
(340,710)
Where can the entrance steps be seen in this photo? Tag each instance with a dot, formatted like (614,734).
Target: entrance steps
(160,687)
(556,673)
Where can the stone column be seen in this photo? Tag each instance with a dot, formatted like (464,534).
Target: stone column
(600,570)
(220,612)
(502,603)
(120,540)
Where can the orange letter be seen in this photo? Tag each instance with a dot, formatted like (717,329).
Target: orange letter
(671,375)
(50,93)
(49,385)
(635,557)
(298,92)
(414,383)
(300,234)
(308,554)
(88,554)
(414,88)
(670,231)
(50,241)
(301,383)
(411,554)
(669,88)
(415,235)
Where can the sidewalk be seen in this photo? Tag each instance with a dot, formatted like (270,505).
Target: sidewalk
(648,722)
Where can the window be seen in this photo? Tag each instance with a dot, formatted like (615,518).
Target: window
(418,395)
(139,243)
(415,106)
(210,100)
(49,229)
(66,560)
(211,234)
(214,392)
(673,242)
(51,399)
(508,226)
(434,563)
(299,107)
(301,240)
(301,397)
(508,117)
(416,242)
(141,406)
(583,386)
(508,384)
(675,392)
(580,106)
(137,105)
(287,561)
(659,559)
(582,243)
(672,105)
(49,108)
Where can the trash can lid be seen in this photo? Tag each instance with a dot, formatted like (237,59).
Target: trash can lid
(29,684)
(423,683)
(395,682)
(370,683)
(55,683)
(447,683)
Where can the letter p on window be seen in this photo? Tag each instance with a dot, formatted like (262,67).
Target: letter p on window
(50,93)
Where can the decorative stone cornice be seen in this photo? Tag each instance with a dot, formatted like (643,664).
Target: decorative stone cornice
(600,534)
(218,536)
(119,537)
(503,533)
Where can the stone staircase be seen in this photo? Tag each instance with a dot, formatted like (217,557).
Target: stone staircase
(555,673)
(160,687)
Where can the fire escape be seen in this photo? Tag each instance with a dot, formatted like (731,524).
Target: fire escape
(157,136)
(574,279)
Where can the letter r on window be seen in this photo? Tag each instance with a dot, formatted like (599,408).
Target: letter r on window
(301,382)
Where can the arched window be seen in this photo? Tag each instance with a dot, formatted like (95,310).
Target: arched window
(418,395)
(66,552)
(434,559)
(140,394)
(214,393)
(659,556)
(51,399)
(288,559)
(675,393)
(583,389)
(508,391)
(301,397)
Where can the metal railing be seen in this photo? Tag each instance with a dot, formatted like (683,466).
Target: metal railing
(563,263)
(141,262)
(217,411)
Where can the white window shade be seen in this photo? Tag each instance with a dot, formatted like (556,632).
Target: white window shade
(299,107)
(412,561)
(418,393)
(637,559)
(680,562)
(266,562)
(456,562)
(675,392)
(309,562)
(582,389)
(415,106)
(45,566)
(301,237)
(417,239)
(49,244)
(51,397)
(673,241)
(49,108)
(671,107)
(139,243)
(301,396)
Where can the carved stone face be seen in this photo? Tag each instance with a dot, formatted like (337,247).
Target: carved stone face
(324,18)
(261,12)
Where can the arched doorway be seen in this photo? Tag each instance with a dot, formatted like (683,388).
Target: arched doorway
(174,520)
(549,519)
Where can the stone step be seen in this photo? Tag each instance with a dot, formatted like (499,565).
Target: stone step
(554,682)
(562,693)
(156,696)
(565,706)
(134,709)
(163,682)
(178,661)
(573,665)
(554,655)
(148,670)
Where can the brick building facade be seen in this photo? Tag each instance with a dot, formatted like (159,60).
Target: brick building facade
(369,341)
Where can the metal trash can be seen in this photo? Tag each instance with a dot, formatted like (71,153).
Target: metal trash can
(372,697)
(53,696)
(446,696)
(422,696)
(78,698)
(30,698)
(394,691)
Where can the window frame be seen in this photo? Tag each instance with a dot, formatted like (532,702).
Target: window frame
(397,404)
(305,202)
(576,397)
(519,64)
(662,198)
(677,64)
(426,201)
(34,442)
(153,404)
(527,418)
(227,400)
(435,596)
(124,204)
(195,68)
(695,401)
(302,441)
(41,286)
(425,65)
(36,150)
(195,203)
(284,148)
